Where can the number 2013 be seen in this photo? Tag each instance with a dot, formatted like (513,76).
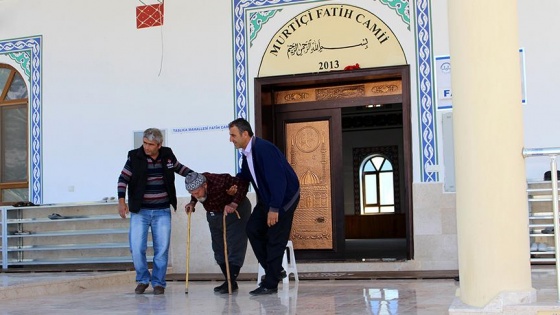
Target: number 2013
(328,65)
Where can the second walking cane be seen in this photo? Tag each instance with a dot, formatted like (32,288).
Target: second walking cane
(226,253)
(226,250)
(188,254)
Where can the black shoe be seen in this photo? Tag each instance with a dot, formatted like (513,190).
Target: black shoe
(221,287)
(263,291)
(283,275)
(140,288)
(234,288)
(159,290)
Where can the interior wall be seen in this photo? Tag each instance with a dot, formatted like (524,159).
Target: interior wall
(366,138)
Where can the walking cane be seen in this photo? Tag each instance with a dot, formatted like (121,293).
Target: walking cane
(188,253)
(226,251)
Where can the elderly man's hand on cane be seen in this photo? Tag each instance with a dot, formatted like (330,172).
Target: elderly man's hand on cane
(231,208)
(189,207)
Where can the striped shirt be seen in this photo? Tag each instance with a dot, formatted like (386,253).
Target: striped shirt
(155,194)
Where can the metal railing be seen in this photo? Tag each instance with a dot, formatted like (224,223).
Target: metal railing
(552,153)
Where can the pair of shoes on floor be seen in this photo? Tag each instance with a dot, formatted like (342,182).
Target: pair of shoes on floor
(140,288)
(534,247)
(261,290)
(541,247)
(159,290)
(223,289)
(548,230)
(56,216)
(24,204)
(545,248)
(20,232)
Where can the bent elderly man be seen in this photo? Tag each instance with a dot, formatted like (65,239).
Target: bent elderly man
(215,193)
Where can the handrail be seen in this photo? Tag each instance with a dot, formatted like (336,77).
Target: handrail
(4,238)
(552,153)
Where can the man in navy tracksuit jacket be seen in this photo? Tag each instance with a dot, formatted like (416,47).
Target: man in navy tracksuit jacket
(277,188)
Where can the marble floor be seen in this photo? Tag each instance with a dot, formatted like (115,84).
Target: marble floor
(383,297)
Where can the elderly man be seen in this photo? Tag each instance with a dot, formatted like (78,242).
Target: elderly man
(219,193)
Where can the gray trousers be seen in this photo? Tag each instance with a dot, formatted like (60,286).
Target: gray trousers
(235,234)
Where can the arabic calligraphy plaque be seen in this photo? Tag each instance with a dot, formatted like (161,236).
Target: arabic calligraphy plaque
(308,151)
(330,37)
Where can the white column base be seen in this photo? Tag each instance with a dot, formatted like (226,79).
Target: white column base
(509,302)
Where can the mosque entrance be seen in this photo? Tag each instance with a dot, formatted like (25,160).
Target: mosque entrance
(347,135)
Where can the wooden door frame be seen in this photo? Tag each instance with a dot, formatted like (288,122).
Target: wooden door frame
(265,119)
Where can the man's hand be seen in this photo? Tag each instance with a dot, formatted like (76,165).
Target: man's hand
(232,190)
(123,208)
(189,207)
(272,218)
(230,208)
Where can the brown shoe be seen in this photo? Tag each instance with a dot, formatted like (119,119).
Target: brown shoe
(159,290)
(140,288)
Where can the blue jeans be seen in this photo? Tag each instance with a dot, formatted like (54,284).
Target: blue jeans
(160,222)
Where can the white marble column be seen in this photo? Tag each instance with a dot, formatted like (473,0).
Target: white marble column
(492,219)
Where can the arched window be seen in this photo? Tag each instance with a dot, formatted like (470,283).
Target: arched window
(14,179)
(377,185)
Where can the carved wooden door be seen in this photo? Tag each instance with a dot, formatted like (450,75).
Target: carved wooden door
(312,143)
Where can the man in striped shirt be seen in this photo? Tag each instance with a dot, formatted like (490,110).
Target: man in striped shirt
(149,175)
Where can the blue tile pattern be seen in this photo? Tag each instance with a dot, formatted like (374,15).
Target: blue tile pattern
(425,83)
(33,47)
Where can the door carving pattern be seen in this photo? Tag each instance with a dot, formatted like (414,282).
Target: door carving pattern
(308,150)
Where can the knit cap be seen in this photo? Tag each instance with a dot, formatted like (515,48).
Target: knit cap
(193,180)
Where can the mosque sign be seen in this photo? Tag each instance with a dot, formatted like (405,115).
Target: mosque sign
(331,37)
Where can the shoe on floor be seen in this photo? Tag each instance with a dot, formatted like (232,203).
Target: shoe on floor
(263,291)
(140,288)
(548,230)
(534,247)
(221,287)
(159,290)
(283,275)
(234,288)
